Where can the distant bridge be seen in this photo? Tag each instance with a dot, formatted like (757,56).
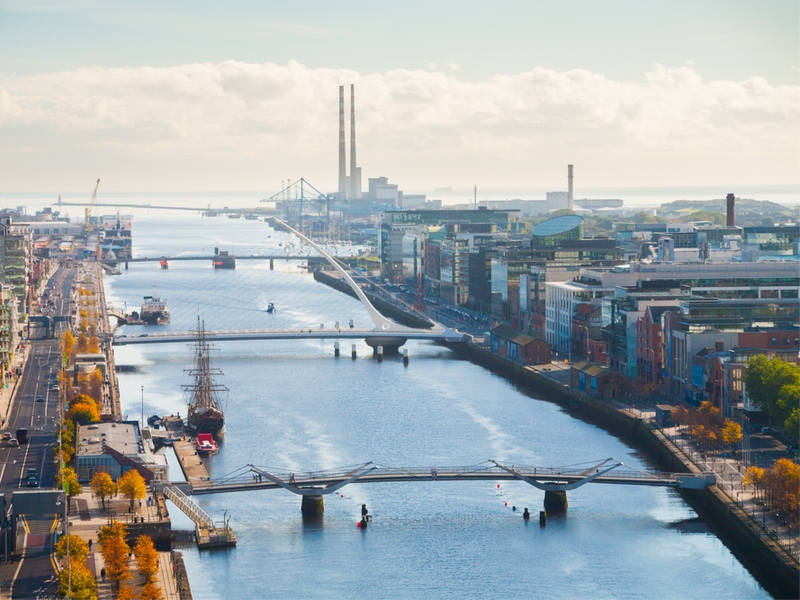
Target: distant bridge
(313,259)
(386,333)
(174,337)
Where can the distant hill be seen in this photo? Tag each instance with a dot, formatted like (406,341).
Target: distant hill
(744,207)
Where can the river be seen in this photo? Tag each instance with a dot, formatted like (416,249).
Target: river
(292,406)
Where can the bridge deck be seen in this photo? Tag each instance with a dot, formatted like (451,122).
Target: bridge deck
(171,337)
(323,480)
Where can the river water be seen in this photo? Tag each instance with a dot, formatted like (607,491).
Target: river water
(292,406)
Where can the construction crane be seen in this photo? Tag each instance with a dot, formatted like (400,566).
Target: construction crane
(88,211)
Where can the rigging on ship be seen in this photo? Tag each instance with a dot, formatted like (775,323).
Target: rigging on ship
(203,394)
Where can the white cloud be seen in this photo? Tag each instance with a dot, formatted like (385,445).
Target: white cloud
(423,126)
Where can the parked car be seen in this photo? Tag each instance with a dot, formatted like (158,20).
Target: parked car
(768,430)
(13,443)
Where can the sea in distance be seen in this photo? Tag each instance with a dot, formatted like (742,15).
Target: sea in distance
(639,197)
(293,407)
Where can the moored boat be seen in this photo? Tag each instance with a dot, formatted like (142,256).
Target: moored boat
(155,310)
(205,444)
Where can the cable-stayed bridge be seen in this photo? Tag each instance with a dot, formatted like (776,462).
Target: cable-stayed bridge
(382,332)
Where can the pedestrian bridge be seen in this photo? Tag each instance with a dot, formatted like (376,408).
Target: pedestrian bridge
(562,479)
(385,333)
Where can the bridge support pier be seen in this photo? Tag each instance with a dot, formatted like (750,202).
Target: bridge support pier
(555,501)
(391,345)
(312,506)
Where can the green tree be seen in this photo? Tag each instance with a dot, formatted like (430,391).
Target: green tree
(717,218)
(103,486)
(644,217)
(132,486)
(765,379)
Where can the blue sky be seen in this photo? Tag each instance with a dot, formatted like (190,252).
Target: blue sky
(693,93)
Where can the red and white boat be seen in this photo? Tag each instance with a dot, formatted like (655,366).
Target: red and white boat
(205,444)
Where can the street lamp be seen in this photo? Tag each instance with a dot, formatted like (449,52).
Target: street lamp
(142,407)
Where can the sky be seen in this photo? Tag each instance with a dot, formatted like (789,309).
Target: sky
(241,95)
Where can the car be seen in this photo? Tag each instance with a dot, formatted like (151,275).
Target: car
(32,472)
(54,387)
(767,430)
(33,481)
(40,398)
(6,435)
(13,443)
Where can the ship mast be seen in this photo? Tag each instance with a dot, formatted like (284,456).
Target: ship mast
(203,390)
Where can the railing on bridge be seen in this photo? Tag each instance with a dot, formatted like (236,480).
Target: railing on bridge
(567,477)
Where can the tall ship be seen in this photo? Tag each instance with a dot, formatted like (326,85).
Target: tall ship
(203,394)
(155,310)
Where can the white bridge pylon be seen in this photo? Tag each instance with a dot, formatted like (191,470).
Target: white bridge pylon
(382,324)
(384,329)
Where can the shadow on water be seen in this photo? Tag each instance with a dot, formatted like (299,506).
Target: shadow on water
(695,525)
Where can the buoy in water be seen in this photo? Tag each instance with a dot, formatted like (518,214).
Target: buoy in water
(498,486)
(505,503)
(358,524)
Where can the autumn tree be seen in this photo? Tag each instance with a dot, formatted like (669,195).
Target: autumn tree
(103,486)
(67,345)
(65,451)
(732,433)
(95,385)
(115,551)
(77,582)
(78,548)
(94,345)
(146,557)
(150,591)
(83,409)
(113,529)
(67,480)
(125,592)
(132,486)
(82,343)
(754,476)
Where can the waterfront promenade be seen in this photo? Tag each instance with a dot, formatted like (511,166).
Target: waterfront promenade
(736,499)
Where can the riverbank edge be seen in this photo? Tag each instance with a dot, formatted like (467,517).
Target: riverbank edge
(764,558)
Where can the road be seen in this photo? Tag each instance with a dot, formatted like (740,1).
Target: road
(35,575)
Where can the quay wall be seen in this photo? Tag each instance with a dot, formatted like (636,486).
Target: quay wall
(774,569)
(385,308)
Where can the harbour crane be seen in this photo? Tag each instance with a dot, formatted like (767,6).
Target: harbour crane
(88,211)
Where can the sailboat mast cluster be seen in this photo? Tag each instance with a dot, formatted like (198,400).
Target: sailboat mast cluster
(203,394)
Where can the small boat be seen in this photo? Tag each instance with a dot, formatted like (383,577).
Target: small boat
(164,263)
(205,444)
(271,308)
